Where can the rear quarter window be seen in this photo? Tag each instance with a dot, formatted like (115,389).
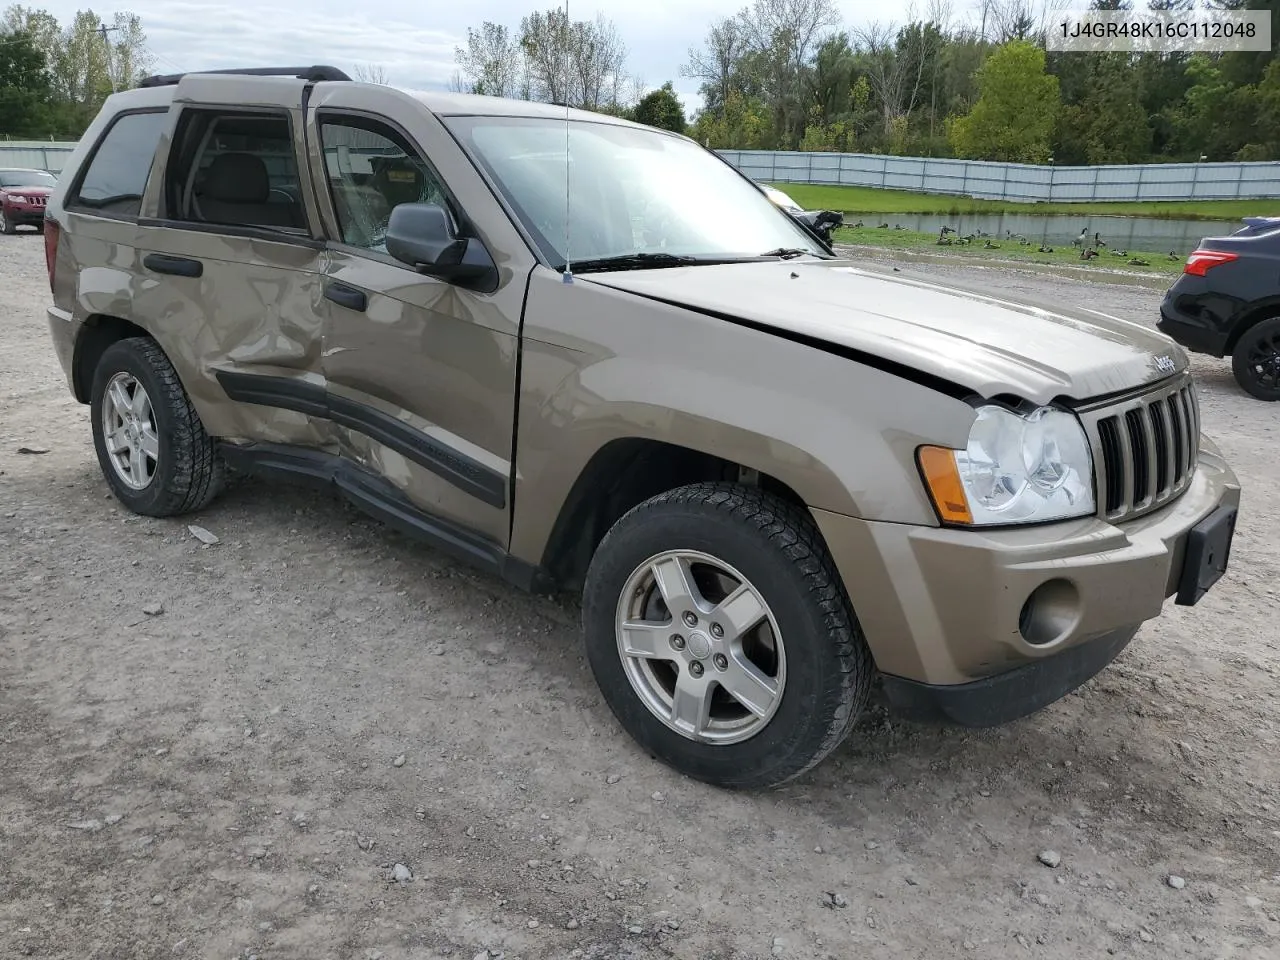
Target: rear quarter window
(116,175)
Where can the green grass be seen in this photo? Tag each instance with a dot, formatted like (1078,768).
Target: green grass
(873,200)
(1062,256)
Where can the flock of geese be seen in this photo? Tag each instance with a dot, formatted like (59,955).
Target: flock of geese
(1090,247)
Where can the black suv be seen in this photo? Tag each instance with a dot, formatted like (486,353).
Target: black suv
(1227,303)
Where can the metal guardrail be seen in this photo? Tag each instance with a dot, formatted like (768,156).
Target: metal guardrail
(1015,181)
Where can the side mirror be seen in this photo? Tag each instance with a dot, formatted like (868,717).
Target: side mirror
(421,235)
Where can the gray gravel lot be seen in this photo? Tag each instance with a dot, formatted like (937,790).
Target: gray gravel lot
(222,779)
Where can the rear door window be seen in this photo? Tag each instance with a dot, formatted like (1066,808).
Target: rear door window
(236,170)
(116,176)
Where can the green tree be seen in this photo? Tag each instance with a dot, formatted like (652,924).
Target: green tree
(82,67)
(24,86)
(1017,106)
(661,108)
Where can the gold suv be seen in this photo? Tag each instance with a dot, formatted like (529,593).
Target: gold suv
(589,355)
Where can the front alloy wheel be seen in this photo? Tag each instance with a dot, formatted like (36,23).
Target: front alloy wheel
(721,636)
(701,647)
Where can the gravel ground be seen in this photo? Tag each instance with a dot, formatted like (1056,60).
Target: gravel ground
(334,743)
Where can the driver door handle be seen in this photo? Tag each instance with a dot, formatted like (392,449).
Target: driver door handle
(345,296)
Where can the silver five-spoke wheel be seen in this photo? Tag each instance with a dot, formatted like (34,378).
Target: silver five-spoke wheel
(701,647)
(129,430)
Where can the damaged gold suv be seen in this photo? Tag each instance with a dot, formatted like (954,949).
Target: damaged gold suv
(591,356)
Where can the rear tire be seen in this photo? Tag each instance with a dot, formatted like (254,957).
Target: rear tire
(1256,360)
(809,672)
(152,447)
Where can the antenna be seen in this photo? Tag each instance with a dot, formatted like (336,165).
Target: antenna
(568,269)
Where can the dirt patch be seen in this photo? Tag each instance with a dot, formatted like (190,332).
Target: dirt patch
(220,780)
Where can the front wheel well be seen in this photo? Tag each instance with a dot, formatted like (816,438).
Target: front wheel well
(100,332)
(621,475)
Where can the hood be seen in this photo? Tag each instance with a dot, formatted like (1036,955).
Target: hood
(28,191)
(975,340)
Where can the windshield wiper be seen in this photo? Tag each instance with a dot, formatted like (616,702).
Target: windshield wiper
(639,261)
(786,253)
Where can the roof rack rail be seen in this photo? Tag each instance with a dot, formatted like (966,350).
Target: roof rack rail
(313,74)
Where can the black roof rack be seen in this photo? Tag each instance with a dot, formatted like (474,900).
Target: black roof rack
(310,74)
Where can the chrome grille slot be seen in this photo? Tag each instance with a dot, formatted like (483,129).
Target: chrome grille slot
(1145,449)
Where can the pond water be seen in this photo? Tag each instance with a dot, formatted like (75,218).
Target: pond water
(1118,233)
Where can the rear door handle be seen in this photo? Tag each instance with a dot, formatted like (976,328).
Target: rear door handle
(348,297)
(174,266)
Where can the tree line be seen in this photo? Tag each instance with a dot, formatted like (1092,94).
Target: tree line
(788,75)
(785,75)
(54,76)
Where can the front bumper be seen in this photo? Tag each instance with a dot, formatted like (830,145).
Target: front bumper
(25,214)
(943,607)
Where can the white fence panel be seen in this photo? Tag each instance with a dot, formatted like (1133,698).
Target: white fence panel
(1015,181)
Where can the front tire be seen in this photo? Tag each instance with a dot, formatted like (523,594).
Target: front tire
(721,635)
(1256,360)
(152,447)
(7,226)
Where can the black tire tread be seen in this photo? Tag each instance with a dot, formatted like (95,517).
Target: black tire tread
(1240,368)
(197,473)
(792,532)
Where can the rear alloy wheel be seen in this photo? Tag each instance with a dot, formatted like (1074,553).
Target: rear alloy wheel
(721,636)
(1256,360)
(151,445)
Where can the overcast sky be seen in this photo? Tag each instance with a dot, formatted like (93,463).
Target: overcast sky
(414,40)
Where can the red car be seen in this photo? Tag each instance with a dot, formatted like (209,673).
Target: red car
(23,196)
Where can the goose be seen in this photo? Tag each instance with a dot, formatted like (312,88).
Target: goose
(1139,262)
(1079,241)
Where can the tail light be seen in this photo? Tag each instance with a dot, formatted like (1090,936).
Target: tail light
(52,231)
(1201,262)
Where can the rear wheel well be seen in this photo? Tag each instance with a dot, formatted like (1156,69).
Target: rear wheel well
(621,475)
(100,331)
(1250,320)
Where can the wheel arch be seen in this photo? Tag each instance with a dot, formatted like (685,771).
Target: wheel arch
(622,474)
(98,332)
(1250,318)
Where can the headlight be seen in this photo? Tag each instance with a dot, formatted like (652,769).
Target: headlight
(1015,469)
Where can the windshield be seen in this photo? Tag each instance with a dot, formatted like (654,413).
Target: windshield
(634,191)
(26,178)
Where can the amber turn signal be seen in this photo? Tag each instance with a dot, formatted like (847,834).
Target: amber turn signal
(942,478)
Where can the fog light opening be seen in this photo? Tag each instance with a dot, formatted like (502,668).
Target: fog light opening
(1050,613)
